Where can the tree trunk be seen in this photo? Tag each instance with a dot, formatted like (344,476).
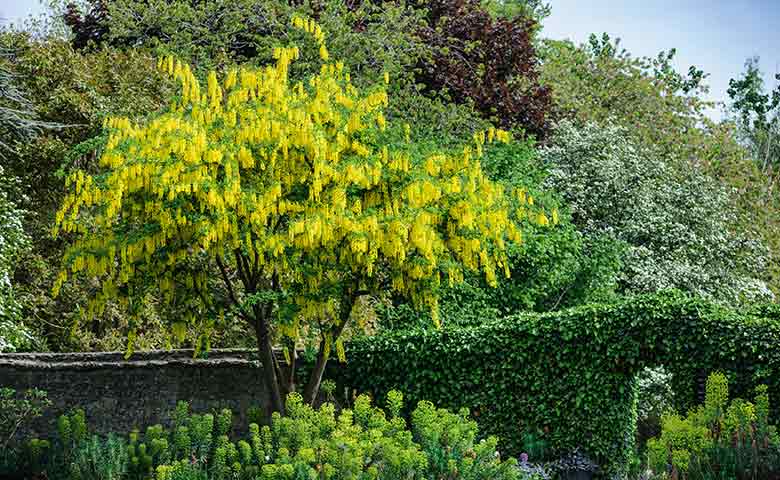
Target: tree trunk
(290,385)
(313,386)
(268,360)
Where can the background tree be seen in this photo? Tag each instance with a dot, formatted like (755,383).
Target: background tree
(666,111)
(675,223)
(73,91)
(487,61)
(757,115)
(601,81)
(18,124)
(474,54)
(291,192)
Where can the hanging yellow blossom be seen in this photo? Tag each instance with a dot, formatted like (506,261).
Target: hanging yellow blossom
(280,183)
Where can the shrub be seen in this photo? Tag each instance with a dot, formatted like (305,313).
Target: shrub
(364,442)
(16,411)
(718,439)
(675,222)
(98,459)
(569,377)
(13,241)
(448,441)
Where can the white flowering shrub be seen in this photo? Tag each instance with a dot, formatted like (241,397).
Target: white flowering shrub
(12,240)
(675,222)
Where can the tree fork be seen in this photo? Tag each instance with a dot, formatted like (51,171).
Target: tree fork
(315,379)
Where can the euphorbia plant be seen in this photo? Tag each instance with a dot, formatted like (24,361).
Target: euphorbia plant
(288,192)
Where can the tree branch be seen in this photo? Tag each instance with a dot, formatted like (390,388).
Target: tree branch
(229,286)
(240,265)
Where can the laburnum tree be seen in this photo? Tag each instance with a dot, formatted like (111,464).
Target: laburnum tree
(292,192)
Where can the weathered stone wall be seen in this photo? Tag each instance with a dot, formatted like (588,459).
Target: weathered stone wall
(119,395)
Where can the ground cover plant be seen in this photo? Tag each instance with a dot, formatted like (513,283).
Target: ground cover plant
(362,442)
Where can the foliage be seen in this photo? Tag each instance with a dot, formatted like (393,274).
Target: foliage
(487,61)
(98,459)
(754,123)
(757,115)
(536,9)
(74,90)
(600,81)
(17,124)
(553,267)
(13,241)
(569,377)
(370,38)
(285,188)
(676,223)
(655,398)
(482,55)
(449,442)
(16,410)
(666,110)
(362,442)
(719,439)
(17,115)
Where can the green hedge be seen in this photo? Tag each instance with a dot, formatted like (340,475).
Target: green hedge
(571,375)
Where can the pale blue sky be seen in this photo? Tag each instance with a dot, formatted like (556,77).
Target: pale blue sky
(716,36)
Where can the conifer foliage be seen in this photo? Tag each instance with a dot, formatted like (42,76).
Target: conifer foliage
(289,191)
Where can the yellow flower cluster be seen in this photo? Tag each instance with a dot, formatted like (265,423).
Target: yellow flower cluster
(311,27)
(282,173)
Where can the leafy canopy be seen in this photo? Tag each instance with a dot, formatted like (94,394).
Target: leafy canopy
(291,186)
(674,222)
(757,115)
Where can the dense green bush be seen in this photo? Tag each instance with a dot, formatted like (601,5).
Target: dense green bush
(718,439)
(569,377)
(363,442)
(17,409)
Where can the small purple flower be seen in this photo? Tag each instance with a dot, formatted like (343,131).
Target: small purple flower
(523,457)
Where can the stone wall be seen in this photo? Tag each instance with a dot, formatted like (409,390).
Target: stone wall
(119,395)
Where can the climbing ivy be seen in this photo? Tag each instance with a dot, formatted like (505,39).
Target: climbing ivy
(568,377)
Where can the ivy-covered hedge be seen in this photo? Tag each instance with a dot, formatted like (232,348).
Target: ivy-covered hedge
(569,376)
